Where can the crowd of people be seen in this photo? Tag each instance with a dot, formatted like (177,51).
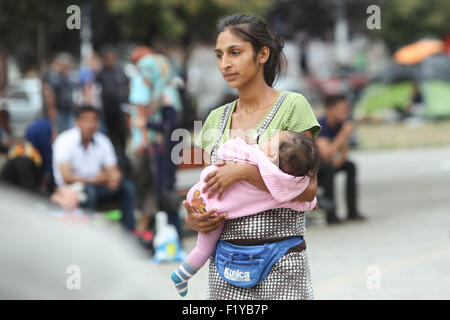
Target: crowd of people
(109,131)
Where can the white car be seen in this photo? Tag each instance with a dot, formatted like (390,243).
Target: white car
(22,98)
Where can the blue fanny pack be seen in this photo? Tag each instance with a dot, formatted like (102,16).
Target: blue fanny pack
(246,266)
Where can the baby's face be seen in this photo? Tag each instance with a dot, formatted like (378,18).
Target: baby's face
(271,145)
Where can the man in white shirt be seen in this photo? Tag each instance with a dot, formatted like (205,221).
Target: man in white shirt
(82,154)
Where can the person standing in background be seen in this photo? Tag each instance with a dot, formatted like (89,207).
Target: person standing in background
(87,76)
(114,93)
(154,92)
(63,86)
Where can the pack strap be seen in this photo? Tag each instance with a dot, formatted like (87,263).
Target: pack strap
(226,115)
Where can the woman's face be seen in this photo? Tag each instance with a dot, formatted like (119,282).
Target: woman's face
(235,59)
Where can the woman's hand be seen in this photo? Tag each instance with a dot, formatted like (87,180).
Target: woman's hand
(222,178)
(204,222)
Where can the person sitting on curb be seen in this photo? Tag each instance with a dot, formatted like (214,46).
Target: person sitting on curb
(82,154)
(333,144)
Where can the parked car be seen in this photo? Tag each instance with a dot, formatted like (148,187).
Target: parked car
(22,99)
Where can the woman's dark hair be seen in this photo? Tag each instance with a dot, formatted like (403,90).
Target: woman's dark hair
(259,34)
(299,155)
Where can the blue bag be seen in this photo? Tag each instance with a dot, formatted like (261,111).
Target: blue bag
(246,266)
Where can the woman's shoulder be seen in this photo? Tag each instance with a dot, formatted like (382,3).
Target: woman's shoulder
(298,115)
(295,99)
(216,113)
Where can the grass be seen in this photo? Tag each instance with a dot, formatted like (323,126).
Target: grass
(403,135)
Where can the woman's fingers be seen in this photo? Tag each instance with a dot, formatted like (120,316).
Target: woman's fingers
(210,176)
(213,223)
(203,222)
(212,190)
(188,207)
(208,215)
(219,162)
(221,190)
(209,184)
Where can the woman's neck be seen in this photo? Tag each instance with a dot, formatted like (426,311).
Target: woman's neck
(255,95)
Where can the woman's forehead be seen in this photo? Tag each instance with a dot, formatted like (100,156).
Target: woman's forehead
(226,40)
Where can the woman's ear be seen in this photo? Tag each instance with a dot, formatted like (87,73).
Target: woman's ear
(264,55)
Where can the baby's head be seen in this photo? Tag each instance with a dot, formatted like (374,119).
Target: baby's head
(295,153)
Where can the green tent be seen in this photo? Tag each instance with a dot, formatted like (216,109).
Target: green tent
(377,96)
(436,96)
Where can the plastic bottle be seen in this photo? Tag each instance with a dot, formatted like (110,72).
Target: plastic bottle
(166,243)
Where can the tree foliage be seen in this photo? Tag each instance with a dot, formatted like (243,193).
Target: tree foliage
(32,30)
(403,22)
(178,19)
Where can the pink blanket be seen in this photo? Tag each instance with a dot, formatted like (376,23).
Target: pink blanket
(242,198)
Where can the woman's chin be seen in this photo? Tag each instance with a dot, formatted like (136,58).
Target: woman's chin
(233,84)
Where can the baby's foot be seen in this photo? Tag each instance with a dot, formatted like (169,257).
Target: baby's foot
(180,278)
(180,284)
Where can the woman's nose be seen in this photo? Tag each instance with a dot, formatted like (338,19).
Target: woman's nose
(225,63)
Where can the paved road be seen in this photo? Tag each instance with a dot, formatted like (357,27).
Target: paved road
(406,240)
(401,252)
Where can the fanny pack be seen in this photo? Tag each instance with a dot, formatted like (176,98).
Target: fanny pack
(246,266)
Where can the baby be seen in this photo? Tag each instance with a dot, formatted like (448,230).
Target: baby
(286,162)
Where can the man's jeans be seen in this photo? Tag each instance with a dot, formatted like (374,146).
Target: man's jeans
(326,179)
(125,194)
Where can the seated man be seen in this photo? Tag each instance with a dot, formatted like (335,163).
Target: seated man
(82,154)
(333,145)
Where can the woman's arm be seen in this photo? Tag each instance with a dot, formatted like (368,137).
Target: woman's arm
(310,192)
(205,222)
(251,174)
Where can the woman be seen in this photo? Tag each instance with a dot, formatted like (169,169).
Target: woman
(158,109)
(249,58)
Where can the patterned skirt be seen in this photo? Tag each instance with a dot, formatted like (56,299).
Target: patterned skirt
(289,278)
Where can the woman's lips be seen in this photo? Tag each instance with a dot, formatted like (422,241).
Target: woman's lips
(230,76)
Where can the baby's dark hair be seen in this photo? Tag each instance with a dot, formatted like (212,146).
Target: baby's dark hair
(298,155)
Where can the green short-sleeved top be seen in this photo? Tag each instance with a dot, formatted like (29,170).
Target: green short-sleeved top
(294,114)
